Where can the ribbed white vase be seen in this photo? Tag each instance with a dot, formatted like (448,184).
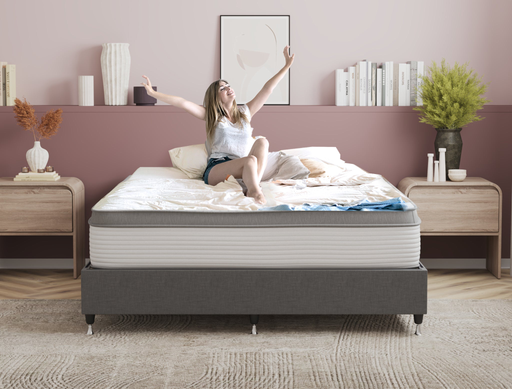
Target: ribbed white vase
(37,157)
(115,68)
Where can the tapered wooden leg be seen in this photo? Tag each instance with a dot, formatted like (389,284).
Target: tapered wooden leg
(494,255)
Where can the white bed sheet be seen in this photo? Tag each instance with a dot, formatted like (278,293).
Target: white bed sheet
(162,189)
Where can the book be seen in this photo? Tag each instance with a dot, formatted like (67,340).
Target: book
(352,86)
(368,83)
(10,84)
(3,100)
(358,85)
(407,84)
(374,84)
(341,87)
(36,174)
(396,77)
(421,73)
(414,81)
(379,87)
(384,75)
(363,80)
(32,176)
(402,84)
(391,80)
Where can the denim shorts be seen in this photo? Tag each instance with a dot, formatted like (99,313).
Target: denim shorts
(211,163)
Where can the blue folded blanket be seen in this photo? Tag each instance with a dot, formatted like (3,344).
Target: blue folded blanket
(395,204)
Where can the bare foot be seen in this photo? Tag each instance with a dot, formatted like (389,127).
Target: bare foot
(257,196)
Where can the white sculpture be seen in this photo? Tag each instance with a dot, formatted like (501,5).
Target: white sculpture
(115,69)
(430,167)
(442,164)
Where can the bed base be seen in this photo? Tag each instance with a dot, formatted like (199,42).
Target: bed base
(254,292)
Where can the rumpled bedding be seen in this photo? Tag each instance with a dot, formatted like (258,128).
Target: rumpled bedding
(350,190)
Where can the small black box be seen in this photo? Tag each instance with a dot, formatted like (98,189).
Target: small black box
(141,97)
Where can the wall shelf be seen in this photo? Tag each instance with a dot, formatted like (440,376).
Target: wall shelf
(304,109)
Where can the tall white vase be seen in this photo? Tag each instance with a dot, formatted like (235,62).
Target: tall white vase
(115,69)
(37,157)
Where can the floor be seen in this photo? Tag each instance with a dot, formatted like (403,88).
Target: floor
(443,284)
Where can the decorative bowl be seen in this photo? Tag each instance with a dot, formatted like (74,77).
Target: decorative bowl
(457,174)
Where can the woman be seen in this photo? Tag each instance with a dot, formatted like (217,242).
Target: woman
(229,133)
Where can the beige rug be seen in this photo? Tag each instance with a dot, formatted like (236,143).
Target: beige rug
(465,344)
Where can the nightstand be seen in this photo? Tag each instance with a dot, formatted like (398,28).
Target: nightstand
(472,207)
(35,208)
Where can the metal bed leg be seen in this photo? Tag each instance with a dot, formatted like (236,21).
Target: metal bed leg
(254,321)
(418,320)
(89,319)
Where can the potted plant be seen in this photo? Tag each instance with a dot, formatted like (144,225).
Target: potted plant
(37,157)
(451,97)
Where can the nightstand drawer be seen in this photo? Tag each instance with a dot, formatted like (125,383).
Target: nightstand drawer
(457,209)
(36,209)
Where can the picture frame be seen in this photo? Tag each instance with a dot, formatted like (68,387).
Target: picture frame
(251,53)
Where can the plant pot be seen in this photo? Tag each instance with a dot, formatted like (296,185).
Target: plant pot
(37,157)
(451,140)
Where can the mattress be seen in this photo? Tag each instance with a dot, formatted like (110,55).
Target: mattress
(259,247)
(123,236)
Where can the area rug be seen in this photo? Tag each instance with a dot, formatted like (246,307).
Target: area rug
(465,344)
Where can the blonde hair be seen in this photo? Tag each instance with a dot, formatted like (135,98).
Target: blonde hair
(216,112)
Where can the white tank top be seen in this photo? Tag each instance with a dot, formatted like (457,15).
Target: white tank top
(230,140)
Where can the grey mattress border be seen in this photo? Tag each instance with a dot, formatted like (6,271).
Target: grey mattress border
(277,219)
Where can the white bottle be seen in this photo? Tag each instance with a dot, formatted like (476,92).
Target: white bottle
(430,167)
(442,164)
(436,171)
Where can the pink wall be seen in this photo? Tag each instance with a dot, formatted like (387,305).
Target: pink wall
(177,43)
(103,145)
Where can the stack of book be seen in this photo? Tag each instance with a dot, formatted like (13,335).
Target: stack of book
(367,84)
(32,176)
(7,83)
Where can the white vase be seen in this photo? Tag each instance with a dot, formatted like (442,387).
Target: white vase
(115,69)
(86,90)
(37,157)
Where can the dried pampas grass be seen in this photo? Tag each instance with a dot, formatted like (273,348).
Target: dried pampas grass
(26,118)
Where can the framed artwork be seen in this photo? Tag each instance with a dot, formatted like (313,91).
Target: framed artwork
(251,53)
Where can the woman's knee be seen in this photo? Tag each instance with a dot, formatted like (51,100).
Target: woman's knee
(262,142)
(251,160)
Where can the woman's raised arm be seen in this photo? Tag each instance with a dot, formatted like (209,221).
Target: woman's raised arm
(192,108)
(263,95)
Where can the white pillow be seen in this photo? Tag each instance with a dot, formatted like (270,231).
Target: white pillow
(326,154)
(284,167)
(191,160)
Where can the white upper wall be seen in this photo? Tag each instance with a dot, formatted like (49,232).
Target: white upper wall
(177,43)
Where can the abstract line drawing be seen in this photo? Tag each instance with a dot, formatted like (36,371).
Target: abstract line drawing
(250,55)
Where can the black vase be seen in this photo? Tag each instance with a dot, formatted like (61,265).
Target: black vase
(451,140)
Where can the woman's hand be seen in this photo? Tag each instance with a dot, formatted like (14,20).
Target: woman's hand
(287,58)
(149,88)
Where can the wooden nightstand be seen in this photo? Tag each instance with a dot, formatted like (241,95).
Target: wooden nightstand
(471,207)
(45,208)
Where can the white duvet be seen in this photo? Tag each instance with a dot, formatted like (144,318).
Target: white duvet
(169,189)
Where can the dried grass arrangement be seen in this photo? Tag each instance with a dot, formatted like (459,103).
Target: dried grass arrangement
(26,118)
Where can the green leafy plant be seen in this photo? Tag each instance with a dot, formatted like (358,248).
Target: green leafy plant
(451,96)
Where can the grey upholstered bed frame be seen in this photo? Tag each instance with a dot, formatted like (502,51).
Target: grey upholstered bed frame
(254,292)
